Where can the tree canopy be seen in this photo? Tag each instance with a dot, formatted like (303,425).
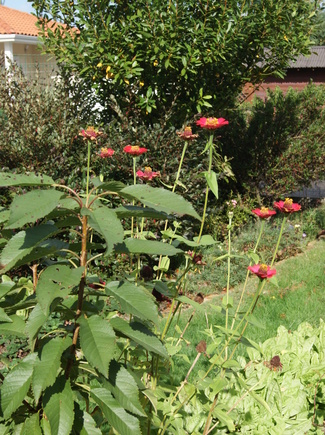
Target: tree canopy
(178,57)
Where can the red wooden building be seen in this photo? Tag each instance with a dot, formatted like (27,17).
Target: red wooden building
(299,74)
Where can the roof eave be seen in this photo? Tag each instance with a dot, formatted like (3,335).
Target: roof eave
(20,39)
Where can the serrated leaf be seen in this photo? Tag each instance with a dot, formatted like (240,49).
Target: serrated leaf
(47,366)
(89,425)
(139,334)
(59,407)
(124,388)
(25,246)
(16,385)
(31,179)
(35,321)
(97,340)
(105,222)
(133,300)
(205,240)
(160,199)
(122,422)
(150,247)
(15,327)
(32,206)
(56,282)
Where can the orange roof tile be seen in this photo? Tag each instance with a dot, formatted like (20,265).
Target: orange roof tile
(16,22)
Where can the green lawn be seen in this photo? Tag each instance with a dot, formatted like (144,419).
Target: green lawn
(299,297)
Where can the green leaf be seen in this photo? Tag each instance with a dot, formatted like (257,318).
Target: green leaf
(150,247)
(59,406)
(111,186)
(89,425)
(24,180)
(141,335)
(97,340)
(205,240)
(35,321)
(224,418)
(32,426)
(121,421)
(24,246)
(160,199)
(106,223)
(15,327)
(133,300)
(211,178)
(186,300)
(16,385)
(137,211)
(124,388)
(32,206)
(4,317)
(56,282)
(47,366)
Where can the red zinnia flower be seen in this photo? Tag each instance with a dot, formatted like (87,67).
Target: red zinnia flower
(187,134)
(106,152)
(90,133)
(211,123)
(148,174)
(262,270)
(287,206)
(134,150)
(264,212)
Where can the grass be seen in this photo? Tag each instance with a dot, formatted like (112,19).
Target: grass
(299,297)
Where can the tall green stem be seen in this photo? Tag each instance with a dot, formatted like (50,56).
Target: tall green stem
(279,239)
(247,274)
(210,148)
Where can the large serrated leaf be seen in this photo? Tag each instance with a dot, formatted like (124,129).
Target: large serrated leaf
(16,385)
(16,326)
(56,282)
(32,206)
(105,222)
(24,247)
(139,334)
(97,340)
(59,407)
(35,322)
(122,422)
(47,366)
(4,317)
(150,247)
(160,199)
(133,300)
(111,186)
(31,179)
(124,388)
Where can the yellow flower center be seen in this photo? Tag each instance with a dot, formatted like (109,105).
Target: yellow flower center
(135,148)
(263,268)
(264,210)
(212,121)
(187,131)
(147,169)
(288,203)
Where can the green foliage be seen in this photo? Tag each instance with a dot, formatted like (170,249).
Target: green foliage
(174,58)
(85,358)
(268,136)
